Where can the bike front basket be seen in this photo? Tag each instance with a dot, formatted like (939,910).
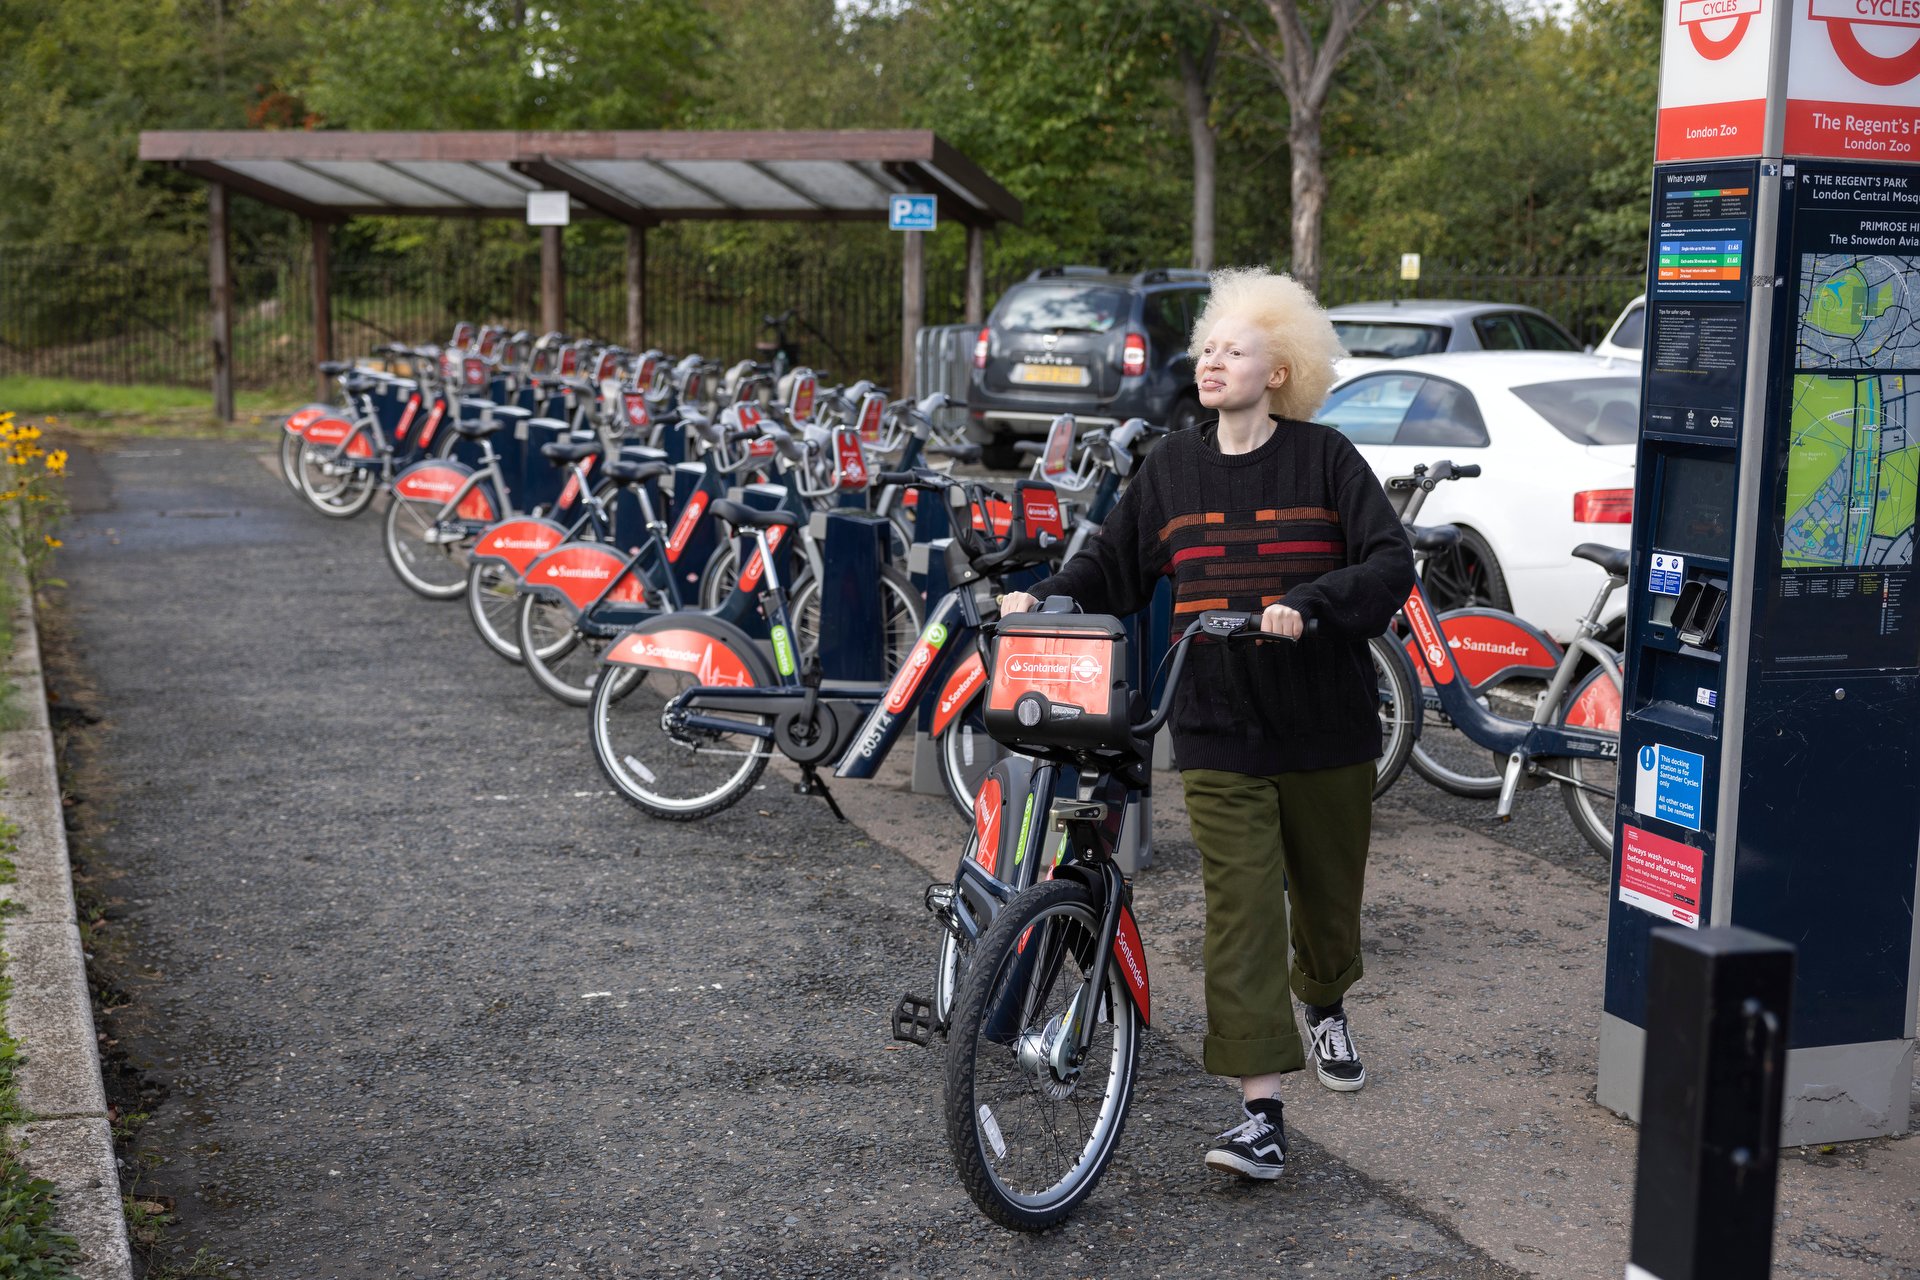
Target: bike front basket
(1058,686)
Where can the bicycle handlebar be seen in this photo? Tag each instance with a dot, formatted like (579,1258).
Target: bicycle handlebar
(1225,625)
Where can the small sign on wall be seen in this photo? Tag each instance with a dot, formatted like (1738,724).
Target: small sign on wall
(548,209)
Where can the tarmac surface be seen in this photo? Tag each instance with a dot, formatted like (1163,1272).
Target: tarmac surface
(410,994)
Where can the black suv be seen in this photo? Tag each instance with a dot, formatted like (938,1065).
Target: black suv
(1080,340)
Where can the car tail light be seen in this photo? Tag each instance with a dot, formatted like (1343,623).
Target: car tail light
(980,349)
(1134,362)
(1603,506)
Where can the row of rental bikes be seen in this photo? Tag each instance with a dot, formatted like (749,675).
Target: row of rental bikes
(724,563)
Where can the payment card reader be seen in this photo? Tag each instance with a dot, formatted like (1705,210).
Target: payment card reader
(1769,767)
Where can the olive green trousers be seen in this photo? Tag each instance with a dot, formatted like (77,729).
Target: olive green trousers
(1264,841)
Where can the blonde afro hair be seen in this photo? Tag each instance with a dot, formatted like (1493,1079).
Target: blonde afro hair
(1298,333)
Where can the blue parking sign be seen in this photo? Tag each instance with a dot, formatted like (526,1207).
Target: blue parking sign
(912,213)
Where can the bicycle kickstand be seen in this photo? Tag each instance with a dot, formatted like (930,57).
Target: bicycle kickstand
(812,784)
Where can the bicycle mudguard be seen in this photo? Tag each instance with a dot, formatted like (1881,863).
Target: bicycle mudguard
(1132,955)
(577,574)
(437,480)
(1005,846)
(967,680)
(332,431)
(1490,647)
(516,544)
(300,419)
(1595,704)
(713,652)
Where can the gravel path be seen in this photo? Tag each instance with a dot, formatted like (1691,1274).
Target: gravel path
(416,997)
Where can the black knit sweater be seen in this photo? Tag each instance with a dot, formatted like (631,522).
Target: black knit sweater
(1300,520)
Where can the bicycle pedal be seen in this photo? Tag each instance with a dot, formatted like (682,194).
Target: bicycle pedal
(913,1020)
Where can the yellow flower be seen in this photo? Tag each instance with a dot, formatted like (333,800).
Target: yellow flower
(53,541)
(9,495)
(57,461)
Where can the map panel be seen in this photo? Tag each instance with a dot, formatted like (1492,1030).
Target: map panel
(1851,471)
(1857,313)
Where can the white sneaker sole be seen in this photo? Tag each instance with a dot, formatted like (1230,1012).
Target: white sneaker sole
(1338,1085)
(1227,1162)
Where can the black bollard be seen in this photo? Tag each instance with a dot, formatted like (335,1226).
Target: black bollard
(1717,1005)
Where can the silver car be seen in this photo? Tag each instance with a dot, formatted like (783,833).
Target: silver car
(1428,326)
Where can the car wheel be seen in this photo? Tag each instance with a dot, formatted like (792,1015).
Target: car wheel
(1187,413)
(1466,575)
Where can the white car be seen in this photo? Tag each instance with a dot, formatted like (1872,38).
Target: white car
(1554,435)
(1629,333)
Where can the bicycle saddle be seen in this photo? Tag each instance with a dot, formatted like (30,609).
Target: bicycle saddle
(334,368)
(359,383)
(632,471)
(742,516)
(1612,559)
(559,451)
(1433,537)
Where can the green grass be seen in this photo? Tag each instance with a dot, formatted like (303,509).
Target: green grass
(36,397)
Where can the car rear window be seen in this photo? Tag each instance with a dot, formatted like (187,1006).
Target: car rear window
(1052,308)
(1588,410)
(1631,331)
(1392,339)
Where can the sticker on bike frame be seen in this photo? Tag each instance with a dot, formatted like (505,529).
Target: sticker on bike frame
(1132,955)
(434,416)
(582,571)
(1059,446)
(999,517)
(851,457)
(573,487)
(803,392)
(871,411)
(1485,645)
(782,650)
(750,576)
(702,656)
(1040,509)
(1061,668)
(986,826)
(1428,637)
(405,424)
(1026,829)
(683,527)
(519,542)
(914,670)
(960,689)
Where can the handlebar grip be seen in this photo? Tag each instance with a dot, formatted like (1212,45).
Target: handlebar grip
(901,477)
(1467,472)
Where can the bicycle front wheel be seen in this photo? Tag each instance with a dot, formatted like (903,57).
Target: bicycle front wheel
(1032,1125)
(332,485)
(422,554)
(672,770)
(966,753)
(493,602)
(1399,712)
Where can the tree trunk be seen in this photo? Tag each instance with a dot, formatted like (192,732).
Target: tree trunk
(1196,76)
(1309,197)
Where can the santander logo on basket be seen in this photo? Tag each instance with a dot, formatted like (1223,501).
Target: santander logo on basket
(1055,668)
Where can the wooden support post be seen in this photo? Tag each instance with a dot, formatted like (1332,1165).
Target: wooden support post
(322,299)
(636,288)
(553,293)
(220,291)
(913,302)
(976,274)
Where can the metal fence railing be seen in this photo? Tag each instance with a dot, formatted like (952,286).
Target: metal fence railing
(118,318)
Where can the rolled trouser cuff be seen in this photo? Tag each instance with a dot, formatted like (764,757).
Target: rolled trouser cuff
(1224,1057)
(1325,993)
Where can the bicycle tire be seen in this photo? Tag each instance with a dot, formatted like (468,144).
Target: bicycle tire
(339,497)
(1399,717)
(413,558)
(718,575)
(1020,962)
(562,660)
(902,614)
(620,727)
(493,603)
(290,459)
(1593,795)
(965,752)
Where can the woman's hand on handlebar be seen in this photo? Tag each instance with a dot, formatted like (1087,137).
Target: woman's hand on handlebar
(1020,602)
(1280,620)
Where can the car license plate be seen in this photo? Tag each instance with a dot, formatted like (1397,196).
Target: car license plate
(1054,375)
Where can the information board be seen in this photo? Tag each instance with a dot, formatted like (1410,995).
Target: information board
(1697,309)
(1845,516)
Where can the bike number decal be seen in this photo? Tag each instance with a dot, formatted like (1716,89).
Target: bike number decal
(708,660)
(1132,956)
(750,577)
(406,417)
(959,691)
(986,826)
(582,572)
(900,693)
(572,491)
(1063,669)
(684,526)
(1428,645)
(518,542)
(852,458)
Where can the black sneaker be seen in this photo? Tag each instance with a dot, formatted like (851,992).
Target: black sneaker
(1335,1060)
(1256,1147)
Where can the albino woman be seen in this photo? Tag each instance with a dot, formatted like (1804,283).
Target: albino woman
(1264,511)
